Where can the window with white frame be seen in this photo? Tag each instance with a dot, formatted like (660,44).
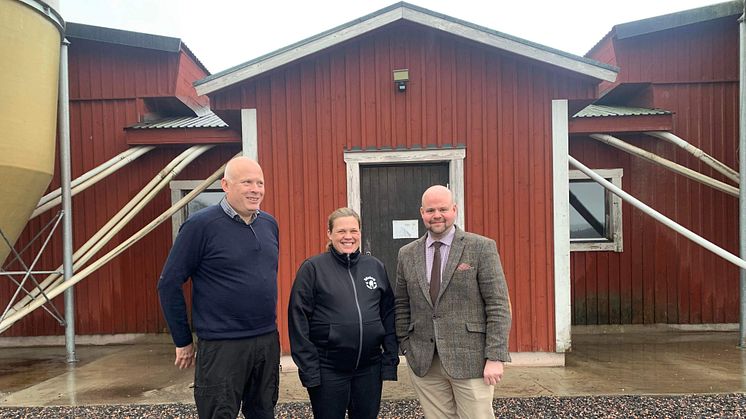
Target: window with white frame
(595,213)
(180,188)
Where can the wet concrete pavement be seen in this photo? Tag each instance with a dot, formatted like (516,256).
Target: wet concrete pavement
(641,363)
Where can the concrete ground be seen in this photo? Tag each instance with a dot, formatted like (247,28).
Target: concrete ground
(646,362)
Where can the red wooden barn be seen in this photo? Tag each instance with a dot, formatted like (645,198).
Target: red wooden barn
(678,74)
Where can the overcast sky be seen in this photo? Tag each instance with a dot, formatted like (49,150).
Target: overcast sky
(224,33)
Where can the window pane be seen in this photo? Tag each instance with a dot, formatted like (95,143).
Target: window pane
(588,209)
(203,200)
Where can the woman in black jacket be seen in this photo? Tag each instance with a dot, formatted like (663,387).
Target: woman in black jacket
(341,323)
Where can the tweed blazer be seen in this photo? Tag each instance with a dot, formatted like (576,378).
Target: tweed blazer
(470,319)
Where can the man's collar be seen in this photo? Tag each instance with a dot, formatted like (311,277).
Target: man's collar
(228,209)
(447,239)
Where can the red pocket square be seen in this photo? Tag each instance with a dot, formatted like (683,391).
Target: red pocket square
(463,267)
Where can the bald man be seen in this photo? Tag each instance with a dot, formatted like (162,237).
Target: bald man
(230,252)
(452,313)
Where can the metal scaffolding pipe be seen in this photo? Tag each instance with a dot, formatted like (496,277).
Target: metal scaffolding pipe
(85,181)
(93,172)
(730,257)
(63,122)
(707,159)
(668,164)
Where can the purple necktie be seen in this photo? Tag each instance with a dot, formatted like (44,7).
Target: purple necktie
(435,273)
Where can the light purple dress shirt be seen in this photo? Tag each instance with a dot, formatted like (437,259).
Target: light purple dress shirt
(445,250)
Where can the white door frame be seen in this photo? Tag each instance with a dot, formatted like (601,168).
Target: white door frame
(454,157)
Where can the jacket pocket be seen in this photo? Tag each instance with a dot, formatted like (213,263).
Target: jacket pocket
(373,334)
(342,345)
(476,327)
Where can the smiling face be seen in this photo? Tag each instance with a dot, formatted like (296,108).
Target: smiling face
(243,185)
(345,234)
(438,211)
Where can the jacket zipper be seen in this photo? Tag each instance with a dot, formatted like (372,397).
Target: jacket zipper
(359,312)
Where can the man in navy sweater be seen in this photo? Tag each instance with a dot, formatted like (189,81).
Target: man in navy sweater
(230,251)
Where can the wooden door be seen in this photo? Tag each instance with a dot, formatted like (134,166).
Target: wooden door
(390,199)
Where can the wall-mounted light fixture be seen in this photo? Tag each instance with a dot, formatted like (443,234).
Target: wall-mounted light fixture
(401,77)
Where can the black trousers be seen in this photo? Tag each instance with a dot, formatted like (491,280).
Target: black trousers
(233,372)
(358,393)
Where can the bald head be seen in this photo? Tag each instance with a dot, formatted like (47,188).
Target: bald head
(239,164)
(437,191)
(438,211)
(243,183)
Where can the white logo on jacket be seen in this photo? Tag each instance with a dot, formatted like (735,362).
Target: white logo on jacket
(370,282)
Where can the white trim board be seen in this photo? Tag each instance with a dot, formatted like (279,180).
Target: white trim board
(455,157)
(561,192)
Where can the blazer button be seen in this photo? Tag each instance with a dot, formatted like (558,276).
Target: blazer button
(431,340)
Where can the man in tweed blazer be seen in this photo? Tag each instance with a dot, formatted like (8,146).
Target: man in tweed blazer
(456,342)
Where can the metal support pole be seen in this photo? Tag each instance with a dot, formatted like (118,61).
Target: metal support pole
(742,173)
(63,123)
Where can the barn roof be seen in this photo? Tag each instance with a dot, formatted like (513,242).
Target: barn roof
(210,120)
(130,39)
(405,12)
(669,21)
(675,20)
(596,111)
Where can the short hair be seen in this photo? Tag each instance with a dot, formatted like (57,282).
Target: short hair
(228,172)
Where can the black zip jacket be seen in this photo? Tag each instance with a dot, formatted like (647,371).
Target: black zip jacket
(341,316)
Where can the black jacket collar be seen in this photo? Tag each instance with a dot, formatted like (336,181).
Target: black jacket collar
(343,258)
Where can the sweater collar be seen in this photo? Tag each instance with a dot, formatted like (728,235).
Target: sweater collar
(228,209)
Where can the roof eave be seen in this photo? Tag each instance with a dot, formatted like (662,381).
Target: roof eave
(417,15)
(620,124)
(122,37)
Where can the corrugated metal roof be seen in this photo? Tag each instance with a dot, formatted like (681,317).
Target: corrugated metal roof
(207,121)
(674,20)
(596,111)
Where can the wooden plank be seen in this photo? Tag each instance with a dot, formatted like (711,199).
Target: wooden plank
(621,124)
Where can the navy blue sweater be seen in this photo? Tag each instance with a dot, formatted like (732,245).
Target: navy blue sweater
(233,267)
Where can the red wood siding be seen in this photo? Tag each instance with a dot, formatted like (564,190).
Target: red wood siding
(189,71)
(496,104)
(603,51)
(662,277)
(162,136)
(105,71)
(704,52)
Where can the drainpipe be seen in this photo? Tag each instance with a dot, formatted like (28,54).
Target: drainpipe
(742,173)
(63,117)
